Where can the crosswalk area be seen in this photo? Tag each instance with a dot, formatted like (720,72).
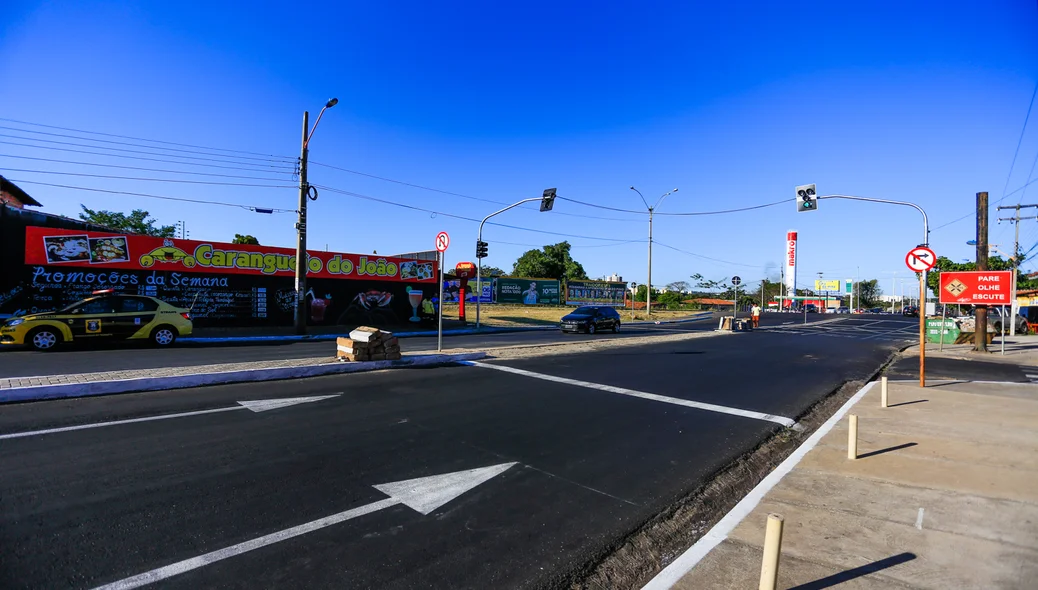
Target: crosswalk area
(1031,372)
(878,328)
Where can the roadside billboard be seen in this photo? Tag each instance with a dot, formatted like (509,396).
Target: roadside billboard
(452,288)
(528,291)
(103,252)
(977,287)
(604,293)
(791,261)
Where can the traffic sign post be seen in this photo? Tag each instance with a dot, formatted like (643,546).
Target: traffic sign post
(921,259)
(736,281)
(442,241)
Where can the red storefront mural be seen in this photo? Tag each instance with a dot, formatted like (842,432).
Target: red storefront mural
(102,251)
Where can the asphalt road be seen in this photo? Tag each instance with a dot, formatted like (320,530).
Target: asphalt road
(117,357)
(90,507)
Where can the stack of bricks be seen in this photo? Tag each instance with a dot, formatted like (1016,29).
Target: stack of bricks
(368,344)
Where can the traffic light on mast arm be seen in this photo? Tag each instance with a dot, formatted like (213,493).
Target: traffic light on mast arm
(481,249)
(806,199)
(548,199)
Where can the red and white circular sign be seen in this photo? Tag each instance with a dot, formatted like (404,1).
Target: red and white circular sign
(920,259)
(442,241)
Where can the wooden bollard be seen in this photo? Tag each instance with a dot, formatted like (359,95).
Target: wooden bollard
(883,391)
(852,438)
(772,549)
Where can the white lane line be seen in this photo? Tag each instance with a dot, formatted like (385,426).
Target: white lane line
(202,560)
(117,422)
(650,396)
(256,406)
(688,560)
(919,520)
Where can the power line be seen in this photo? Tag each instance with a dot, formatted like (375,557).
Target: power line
(140,168)
(280,161)
(1019,141)
(597,206)
(678,214)
(177,180)
(144,139)
(751,208)
(99,147)
(973,213)
(658,243)
(454,194)
(149,196)
(125,157)
(461,217)
(574,245)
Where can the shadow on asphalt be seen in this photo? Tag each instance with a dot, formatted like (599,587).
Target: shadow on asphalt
(956,369)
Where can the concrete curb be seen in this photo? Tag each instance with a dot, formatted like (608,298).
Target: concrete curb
(456,332)
(41,392)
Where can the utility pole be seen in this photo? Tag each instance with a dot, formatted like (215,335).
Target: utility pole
(304,193)
(981,317)
(304,188)
(1014,308)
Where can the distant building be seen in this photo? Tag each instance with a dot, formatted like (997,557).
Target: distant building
(615,278)
(12,196)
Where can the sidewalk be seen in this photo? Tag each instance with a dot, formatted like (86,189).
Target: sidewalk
(13,389)
(944,495)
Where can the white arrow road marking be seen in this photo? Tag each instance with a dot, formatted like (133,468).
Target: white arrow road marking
(255,406)
(273,404)
(424,494)
(650,396)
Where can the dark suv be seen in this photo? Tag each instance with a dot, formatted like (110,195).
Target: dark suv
(591,320)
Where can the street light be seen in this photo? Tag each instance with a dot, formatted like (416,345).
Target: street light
(648,283)
(305,192)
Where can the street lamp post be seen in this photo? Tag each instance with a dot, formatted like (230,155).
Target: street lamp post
(304,195)
(648,283)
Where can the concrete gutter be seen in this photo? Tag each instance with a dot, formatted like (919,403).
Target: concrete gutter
(213,375)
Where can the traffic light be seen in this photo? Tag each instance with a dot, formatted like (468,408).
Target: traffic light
(806,199)
(481,249)
(548,199)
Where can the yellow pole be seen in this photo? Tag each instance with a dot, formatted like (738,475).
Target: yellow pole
(772,550)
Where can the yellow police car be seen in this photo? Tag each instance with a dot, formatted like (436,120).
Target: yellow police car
(106,316)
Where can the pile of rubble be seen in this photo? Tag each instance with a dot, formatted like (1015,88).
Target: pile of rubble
(368,344)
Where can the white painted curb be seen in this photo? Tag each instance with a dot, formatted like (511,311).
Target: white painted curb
(688,560)
(40,392)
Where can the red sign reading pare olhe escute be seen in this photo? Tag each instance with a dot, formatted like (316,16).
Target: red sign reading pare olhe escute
(977,287)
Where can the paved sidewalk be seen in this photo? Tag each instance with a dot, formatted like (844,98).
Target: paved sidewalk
(944,495)
(107,382)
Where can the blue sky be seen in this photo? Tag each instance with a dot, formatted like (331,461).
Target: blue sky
(732,104)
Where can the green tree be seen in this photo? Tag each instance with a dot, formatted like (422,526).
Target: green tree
(868,293)
(240,239)
(669,298)
(550,262)
(726,290)
(492,271)
(679,286)
(639,293)
(137,222)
